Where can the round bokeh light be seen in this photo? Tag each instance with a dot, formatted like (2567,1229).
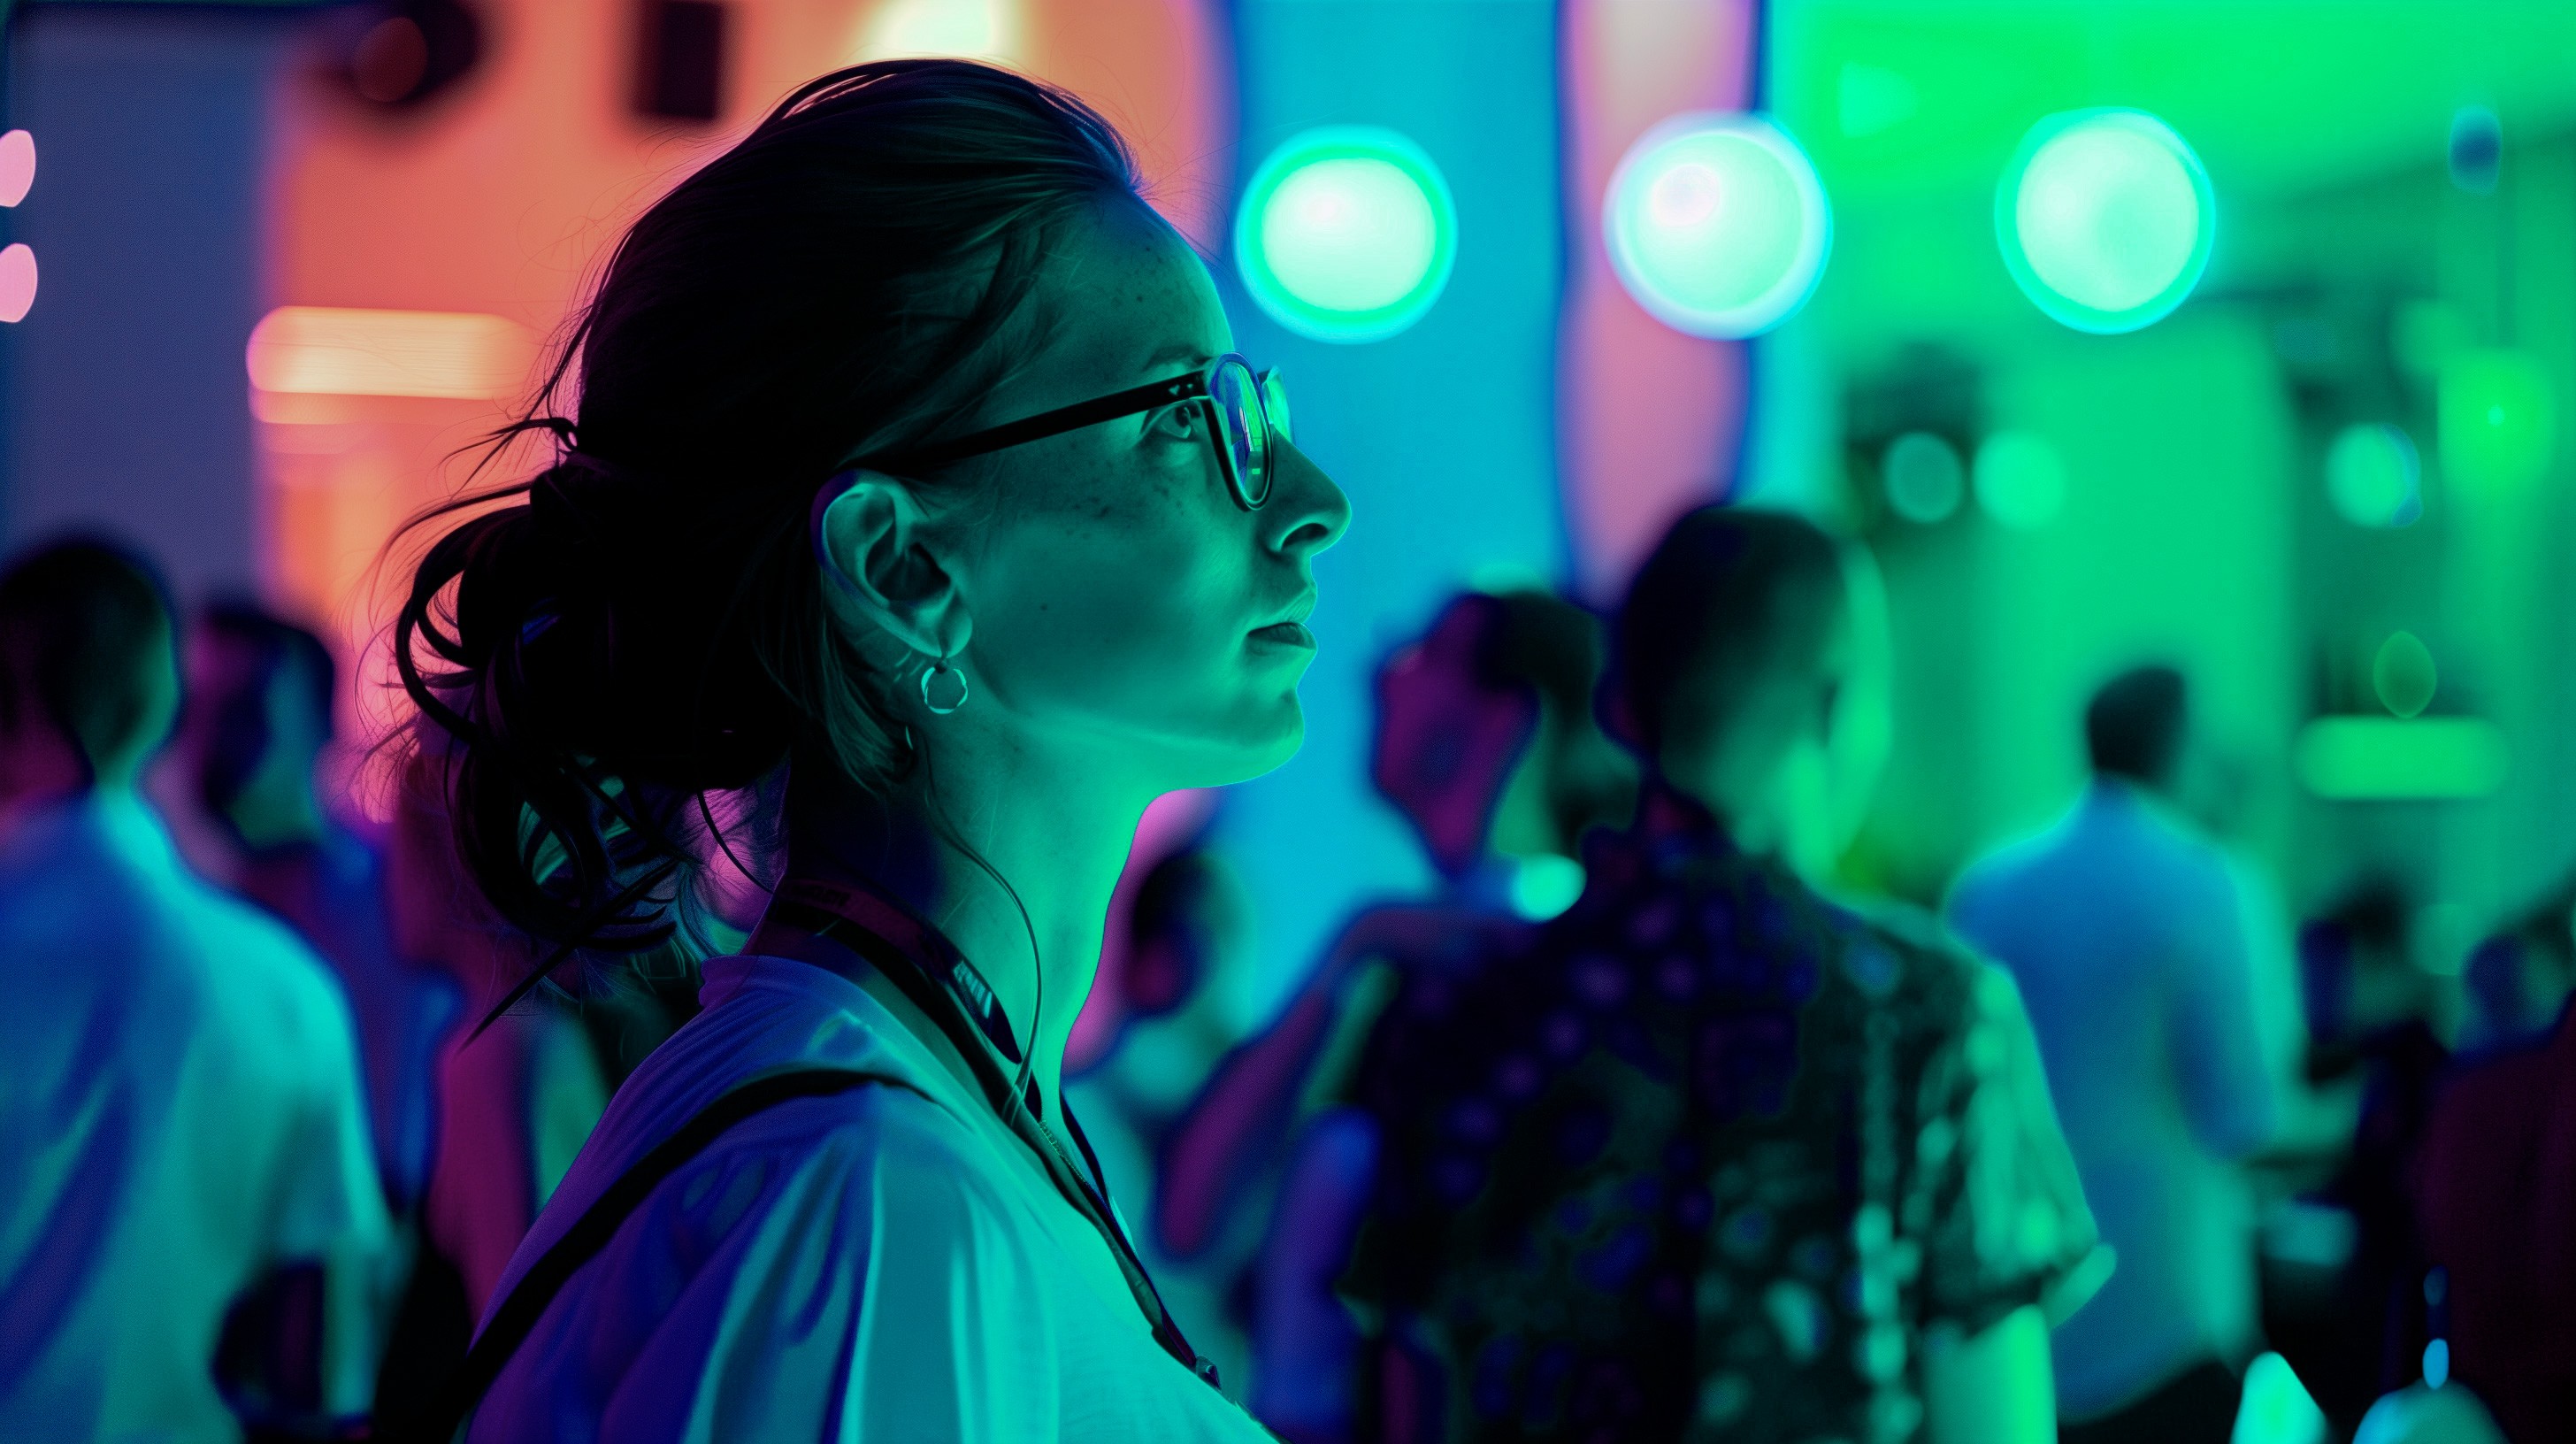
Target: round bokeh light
(2105,219)
(1717,224)
(2374,477)
(1346,233)
(1923,476)
(2403,674)
(2020,480)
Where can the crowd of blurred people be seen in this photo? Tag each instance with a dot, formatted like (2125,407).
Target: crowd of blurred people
(1637,1126)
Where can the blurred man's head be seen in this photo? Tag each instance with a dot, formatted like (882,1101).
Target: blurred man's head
(259,715)
(2135,725)
(88,678)
(1752,677)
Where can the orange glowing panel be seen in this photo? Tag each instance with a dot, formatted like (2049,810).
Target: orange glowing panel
(344,352)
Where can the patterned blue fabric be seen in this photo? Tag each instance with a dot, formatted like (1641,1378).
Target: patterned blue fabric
(1715,1159)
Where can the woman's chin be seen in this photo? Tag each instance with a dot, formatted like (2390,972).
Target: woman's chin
(1256,745)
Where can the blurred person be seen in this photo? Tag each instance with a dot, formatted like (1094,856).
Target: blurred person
(181,1118)
(2518,980)
(2159,983)
(1485,743)
(1175,933)
(2370,1011)
(2494,1187)
(915,474)
(1717,1158)
(515,1100)
(258,719)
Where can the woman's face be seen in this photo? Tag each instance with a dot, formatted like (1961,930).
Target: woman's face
(1123,606)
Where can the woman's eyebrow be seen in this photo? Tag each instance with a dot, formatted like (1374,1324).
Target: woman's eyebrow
(1178,353)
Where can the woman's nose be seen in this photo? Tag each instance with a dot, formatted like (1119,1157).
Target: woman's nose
(1306,512)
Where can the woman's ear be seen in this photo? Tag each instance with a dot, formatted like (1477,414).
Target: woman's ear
(880,569)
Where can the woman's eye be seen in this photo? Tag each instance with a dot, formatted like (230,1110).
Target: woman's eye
(1178,423)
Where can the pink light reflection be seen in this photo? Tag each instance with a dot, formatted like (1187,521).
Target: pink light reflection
(17,282)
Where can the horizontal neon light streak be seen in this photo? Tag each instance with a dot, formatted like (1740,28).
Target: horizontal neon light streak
(332,351)
(2387,759)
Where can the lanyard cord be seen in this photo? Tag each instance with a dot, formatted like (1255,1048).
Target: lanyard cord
(939,980)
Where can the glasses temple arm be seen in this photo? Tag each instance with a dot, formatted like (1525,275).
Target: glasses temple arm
(1052,423)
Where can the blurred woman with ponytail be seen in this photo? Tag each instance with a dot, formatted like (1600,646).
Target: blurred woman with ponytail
(913,528)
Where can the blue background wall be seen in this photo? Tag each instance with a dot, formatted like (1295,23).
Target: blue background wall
(1442,435)
(126,403)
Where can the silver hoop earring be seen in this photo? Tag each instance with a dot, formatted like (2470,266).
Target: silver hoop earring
(951,693)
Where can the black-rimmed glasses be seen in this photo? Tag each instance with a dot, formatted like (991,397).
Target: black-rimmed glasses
(1247,407)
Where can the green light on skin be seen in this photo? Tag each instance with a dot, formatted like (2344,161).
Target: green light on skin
(1347,234)
(1716,224)
(2392,759)
(2374,478)
(2105,219)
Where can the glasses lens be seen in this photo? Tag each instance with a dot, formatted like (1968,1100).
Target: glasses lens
(1243,431)
(1274,400)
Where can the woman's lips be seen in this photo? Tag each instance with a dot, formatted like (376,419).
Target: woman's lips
(1285,634)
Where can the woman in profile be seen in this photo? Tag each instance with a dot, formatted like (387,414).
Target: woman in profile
(915,494)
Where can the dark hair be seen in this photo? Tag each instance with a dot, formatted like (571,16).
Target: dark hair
(2133,728)
(232,714)
(1729,598)
(1545,643)
(82,623)
(650,626)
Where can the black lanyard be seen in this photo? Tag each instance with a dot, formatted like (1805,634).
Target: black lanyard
(939,980)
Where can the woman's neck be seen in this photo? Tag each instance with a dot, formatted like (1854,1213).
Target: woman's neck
(1056,845)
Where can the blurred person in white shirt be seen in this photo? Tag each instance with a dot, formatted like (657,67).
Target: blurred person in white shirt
(181,1117)
(2158,979)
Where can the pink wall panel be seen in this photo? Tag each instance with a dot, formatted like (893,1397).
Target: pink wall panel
(1648,419)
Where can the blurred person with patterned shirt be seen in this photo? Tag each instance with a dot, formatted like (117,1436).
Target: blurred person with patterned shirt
(1718,1158)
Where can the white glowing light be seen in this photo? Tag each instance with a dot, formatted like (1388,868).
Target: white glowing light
(979,29)
(2105,219)
(1346,233)
(1717,224)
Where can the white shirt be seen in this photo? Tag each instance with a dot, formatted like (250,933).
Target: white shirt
(180,1111)
(878,1265)
(2159,985)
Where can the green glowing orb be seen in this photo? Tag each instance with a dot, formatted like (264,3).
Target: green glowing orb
(2021,480)
(2497,420)
(2105,219)
(2403,674)
(1923,476)
(1717,224)
(1346,233)
(2373,477)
